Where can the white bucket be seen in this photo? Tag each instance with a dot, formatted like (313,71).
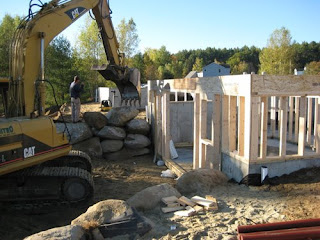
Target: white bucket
(264,173)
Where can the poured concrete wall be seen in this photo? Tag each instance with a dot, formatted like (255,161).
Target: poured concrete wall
(181,120)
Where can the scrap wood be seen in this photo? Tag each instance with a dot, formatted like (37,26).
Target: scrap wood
(186,201)
(214,200)
(202,201)
(171,209)
(198,208)
(186,213)
(168,200)
(175,204)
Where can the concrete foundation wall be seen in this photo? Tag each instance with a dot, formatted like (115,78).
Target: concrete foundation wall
(181,117)
(280,168)
(234,168)
(237,169)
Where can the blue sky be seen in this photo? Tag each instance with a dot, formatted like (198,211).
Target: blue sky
(186,24)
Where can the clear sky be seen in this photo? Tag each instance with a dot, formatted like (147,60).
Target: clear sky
(186,24)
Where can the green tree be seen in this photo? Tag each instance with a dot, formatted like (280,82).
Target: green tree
(8,26)
(278,56)
(59,70)
(198,65)
(313,68)
(89,51)
(128,37)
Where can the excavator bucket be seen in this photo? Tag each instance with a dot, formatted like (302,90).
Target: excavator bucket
(127,81)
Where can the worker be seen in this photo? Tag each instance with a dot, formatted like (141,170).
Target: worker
(75,90)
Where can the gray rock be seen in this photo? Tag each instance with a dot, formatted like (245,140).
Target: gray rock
(78,131)
(104,212)
(138,152)
(60,233)
(138,126)
(91,146)
(95,119)
(136,141)
(111,145)
(150,197)
(114,133)
(125,153)
(119,116)
(200,180)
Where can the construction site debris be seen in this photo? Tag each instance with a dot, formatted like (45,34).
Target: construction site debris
(168,174)
(186,207)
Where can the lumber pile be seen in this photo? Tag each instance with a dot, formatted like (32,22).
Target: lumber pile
(186,207)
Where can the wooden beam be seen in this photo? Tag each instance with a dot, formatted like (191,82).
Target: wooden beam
(309,121)
(216,132)
(317,125)
(255,101)
(159,124)
(196,128)
(203,132)
(264,127)
(167,128)
(241,121)
(283,127)
(296,118)
(273,116)
(290,137)
(232,123)
(225,123)
(302,126)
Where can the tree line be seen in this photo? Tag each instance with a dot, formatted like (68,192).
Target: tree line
(281,56)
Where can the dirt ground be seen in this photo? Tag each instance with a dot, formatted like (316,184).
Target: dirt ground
(296,196)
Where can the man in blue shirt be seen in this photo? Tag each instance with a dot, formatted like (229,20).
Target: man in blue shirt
(75,89)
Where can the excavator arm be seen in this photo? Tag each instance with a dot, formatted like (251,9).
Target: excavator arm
(27,85)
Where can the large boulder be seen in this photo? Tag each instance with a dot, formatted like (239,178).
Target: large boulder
(91,146)
(78,131)
(138,126)
(200,180)
(114,133)
(70,232)
(103,212)
(109,146)
(130,222)
(150,197)
(125,153)
(136,141)
(119,116)
(95,119)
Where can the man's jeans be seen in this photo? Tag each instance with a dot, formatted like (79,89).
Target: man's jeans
(75,109)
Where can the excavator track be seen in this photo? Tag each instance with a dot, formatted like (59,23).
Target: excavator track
(39,187)
(75,158)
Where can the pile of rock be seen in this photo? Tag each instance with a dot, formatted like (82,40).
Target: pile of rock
(113,135)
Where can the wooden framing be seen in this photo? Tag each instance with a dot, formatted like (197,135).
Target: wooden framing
(244,107)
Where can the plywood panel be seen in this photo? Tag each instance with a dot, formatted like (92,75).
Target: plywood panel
(294,85)
(185,83)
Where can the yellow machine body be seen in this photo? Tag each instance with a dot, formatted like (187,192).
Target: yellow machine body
(27,142)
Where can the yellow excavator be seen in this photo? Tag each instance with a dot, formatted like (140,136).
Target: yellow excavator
(37,165)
